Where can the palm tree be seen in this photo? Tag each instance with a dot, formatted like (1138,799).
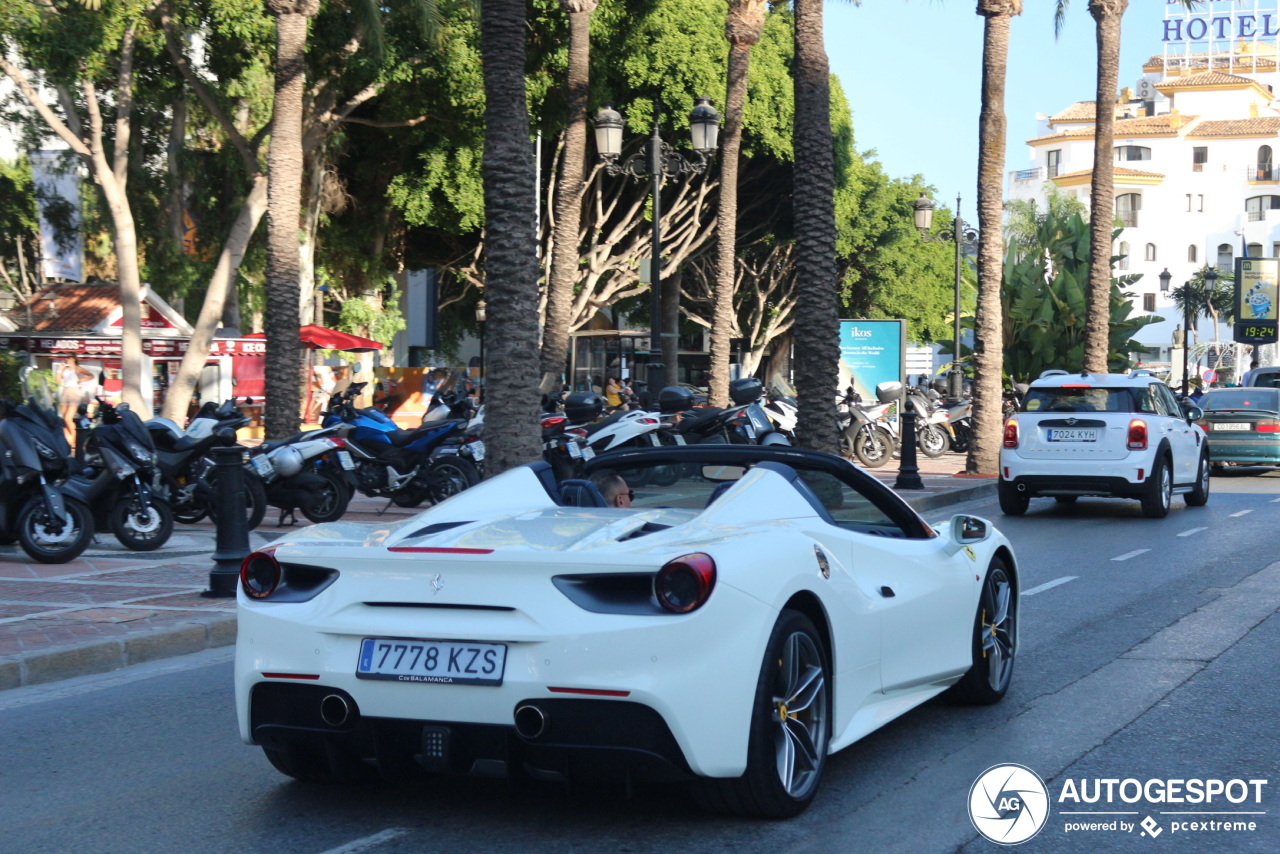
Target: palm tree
(743,28)
(988,337)
(817,327)
(284,199)
(511,263)
(565,256)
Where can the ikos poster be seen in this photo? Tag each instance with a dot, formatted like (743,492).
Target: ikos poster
(871,352)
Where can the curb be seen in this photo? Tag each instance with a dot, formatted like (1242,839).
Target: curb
(18,671)
(925,503)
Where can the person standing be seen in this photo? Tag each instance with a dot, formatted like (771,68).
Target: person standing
(71,394)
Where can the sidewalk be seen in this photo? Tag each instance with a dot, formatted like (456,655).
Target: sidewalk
(113,608)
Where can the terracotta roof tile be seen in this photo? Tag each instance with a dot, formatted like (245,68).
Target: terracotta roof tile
(68,308)
(1080,111)
(1120,172)
(1161,125)
(1238,127)
(1240,62)
(1206,78)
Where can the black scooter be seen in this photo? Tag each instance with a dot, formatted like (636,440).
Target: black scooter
(119,468)
(34,457)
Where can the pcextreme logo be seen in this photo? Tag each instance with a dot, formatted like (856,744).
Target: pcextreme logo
(1008,804)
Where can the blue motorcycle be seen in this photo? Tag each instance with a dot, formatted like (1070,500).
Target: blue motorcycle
(407,466)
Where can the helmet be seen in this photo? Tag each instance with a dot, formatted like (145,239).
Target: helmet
(287,461)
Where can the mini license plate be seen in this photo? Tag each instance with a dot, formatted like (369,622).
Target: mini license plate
(1231,425)
(477,449)
(1068,434)
(441,662)
(263,466)
(654,440)
(679,439)
(344,460)
(588,452)
(573,449)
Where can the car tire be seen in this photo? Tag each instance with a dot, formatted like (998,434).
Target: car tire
(1159,492)
(1199,496)
(1012,502)
(995,637)
(782,738)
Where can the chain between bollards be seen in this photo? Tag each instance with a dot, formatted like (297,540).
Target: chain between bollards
(232,539)
(908,469)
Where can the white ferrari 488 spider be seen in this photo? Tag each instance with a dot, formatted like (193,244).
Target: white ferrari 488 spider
(753,610)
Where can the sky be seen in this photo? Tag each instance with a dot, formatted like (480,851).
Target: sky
(913,74)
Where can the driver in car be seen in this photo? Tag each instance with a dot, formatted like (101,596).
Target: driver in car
(614,489)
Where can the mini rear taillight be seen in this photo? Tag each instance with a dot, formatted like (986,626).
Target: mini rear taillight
(684,584)
(260,574)
(1011,433)
(1137,435)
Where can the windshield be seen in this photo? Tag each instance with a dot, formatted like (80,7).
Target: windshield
(1065,399)
(1235,400)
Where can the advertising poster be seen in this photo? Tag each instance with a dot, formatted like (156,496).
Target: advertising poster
(57,184)
(1257,306)
(871,352)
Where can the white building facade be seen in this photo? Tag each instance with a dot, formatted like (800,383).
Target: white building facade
(1197,161)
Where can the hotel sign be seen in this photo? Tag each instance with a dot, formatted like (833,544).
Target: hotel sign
(1219,21)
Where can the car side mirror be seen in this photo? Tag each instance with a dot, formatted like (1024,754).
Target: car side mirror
(969,529)
(1192,413)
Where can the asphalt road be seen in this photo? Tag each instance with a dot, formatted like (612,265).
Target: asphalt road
(1148,652)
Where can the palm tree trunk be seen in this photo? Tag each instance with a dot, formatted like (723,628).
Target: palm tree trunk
(1097,344)
(817,326)
(565,253)
(511,261)
(743,27)
(284,197)
(988,338)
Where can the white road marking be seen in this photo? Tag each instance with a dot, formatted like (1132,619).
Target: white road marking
(1133,553)
(1048,585)
(1191,531)
(370,841)
(1275,501)
(1241,513)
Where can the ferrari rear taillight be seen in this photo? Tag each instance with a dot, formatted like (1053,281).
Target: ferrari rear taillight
(1011,433)
(260,574)
(1137,435)
(683,585)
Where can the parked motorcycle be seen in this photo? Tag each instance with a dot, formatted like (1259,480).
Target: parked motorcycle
(51,527)
(307,472)
(119,468)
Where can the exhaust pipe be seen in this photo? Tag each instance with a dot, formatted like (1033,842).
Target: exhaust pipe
(1022,487)
(531,722)
(335,710)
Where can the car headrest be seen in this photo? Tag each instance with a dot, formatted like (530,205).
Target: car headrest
(581,493)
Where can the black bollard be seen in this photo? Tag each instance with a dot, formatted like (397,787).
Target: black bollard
(908,469)
(232,538)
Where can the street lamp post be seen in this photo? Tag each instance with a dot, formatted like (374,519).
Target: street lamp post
(1210,285)
(658,161)
(1186,337)
(959,234)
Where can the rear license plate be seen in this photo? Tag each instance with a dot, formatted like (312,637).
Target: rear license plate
(263,466)
(573,449)
(1231,425)
(588,452)
(344,460)
(679,439)
(654,440)
(441,662)
(1059,434)
(477,449)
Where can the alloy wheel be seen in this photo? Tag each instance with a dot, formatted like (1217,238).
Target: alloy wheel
(798,711)
(997,627)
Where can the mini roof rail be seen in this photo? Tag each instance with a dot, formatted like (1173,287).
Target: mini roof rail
(1141,373)
(1052,372)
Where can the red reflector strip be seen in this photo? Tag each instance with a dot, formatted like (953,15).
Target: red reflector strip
(590,692)
(429,550)
(291,675)
(1064,385)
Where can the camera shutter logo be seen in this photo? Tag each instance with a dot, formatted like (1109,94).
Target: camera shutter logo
(1008,804)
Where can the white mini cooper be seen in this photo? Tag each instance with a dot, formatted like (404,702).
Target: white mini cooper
(1103,434)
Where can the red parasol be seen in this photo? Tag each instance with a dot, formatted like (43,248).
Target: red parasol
(319,338)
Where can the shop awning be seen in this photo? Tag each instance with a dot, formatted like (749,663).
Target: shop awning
(320,338)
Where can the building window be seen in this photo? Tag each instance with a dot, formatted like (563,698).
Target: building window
(1255,250)
(1054,162)
(1123,263)
(1265,172)
(1148,303)
(1132,152)
(1150,254)
(1127,207)
(1199,157)
(1275,250)
(1257,206)
(1225,265)
(1191,253)
(1200,204)
(1188,203)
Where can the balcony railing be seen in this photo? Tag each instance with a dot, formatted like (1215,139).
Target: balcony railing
(1027,174)
(1257,216)
(1129,219)
(1267,173)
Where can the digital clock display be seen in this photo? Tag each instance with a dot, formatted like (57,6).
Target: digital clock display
(1257,332)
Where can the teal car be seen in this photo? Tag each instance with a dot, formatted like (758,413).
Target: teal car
(1243,426)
